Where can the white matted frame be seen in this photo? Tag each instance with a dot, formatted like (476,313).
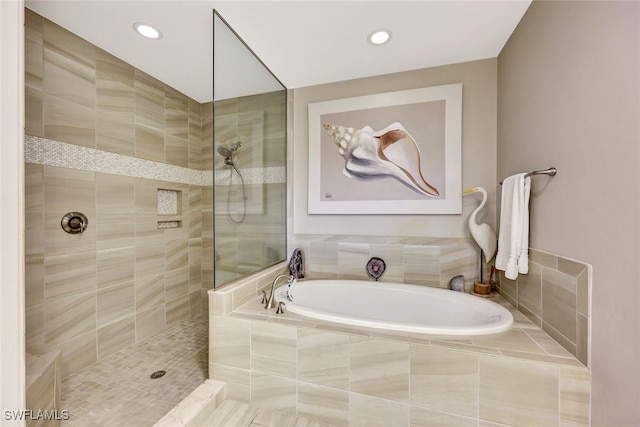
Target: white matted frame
(432,119)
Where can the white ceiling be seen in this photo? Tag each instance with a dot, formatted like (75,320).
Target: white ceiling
(303,42)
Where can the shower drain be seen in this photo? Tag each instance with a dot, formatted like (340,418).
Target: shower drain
(158,374)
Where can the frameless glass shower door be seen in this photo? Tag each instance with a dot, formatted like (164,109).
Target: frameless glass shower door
(248,210)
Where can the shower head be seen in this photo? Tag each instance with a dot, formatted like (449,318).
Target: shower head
(224,151)
(228,150)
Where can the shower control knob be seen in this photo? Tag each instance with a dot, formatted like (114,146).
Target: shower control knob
(74,222)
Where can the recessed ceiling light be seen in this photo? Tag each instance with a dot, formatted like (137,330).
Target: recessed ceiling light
(379,37)
(147,31)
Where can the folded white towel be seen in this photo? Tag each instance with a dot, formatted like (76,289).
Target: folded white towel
(513,242)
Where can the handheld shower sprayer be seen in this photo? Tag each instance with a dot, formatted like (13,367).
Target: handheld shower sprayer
(227,152)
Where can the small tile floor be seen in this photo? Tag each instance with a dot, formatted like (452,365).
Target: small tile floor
(118,390)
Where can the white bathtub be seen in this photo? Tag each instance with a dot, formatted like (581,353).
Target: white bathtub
(396,306)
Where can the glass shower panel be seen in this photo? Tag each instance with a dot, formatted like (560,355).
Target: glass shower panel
(249,161)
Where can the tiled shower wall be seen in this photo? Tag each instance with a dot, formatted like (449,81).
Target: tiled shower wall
(123,279)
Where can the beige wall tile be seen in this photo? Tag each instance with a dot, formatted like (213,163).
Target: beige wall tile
(177,254)
(149,143)
(571,267)
(367,411)
(582,339)
(515,392)
(115,303)
(195,136)
(177,284)
(67,275)
(393,258)
(324,404)
(68,122)
(574,397)
(352,260)
(176,150)
(146,195)
(149,291)
(530,289)
(149,260)
(149,99)
(59,242)
(146,230)
(177,310)
(421,417)
(34,325)
(444,380)
(115,103)
(115,266)
(115,229)
(513,339)
(150,322)
(78,353)
(116,336)
(583,293)
(33,234)
(63,42)
(229,342)
(67,190)
(323,358)
(33,188)
(34,70)
(34,281)
(379,368)
(559,294)
(67,318)
(273,349)
(114,193)
(237,381)
(543,259)
(195,302)
(459,259)
(272,392)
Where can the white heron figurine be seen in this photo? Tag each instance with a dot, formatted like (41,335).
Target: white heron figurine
(483,234)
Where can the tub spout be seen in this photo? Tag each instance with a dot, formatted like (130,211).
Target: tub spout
(271,303)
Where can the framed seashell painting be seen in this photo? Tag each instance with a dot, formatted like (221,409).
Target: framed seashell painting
(388,153)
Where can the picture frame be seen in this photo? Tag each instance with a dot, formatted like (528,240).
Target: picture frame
(388,153)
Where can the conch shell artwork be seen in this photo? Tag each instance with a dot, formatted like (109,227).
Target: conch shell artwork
(390,152)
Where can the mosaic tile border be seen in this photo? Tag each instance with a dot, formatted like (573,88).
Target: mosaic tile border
(55,153)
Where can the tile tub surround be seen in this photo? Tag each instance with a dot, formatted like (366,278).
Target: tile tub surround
(426,261)
(351,376)
(555,296)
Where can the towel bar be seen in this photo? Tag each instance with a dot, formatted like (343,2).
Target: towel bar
(550,172)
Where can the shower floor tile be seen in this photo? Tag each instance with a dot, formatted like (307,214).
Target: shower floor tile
(118,390)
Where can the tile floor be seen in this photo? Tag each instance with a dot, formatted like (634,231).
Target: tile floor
(236,414)
(118,390)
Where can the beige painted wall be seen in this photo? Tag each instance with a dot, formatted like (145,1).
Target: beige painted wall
(569,96)
(478,151)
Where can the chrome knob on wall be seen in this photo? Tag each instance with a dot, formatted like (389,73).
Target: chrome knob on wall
(74,222)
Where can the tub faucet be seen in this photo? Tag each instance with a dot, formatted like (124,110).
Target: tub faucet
(271,303)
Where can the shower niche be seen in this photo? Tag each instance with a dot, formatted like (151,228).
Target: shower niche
(248,188)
